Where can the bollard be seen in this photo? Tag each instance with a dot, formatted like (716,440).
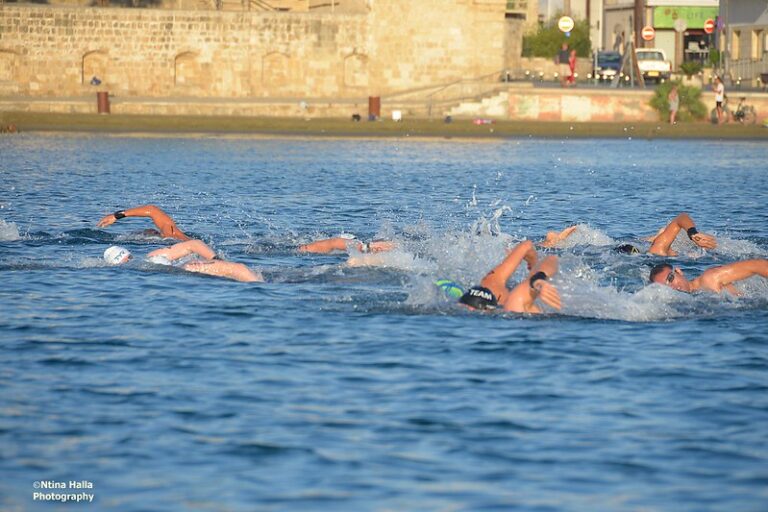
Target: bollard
(102,102)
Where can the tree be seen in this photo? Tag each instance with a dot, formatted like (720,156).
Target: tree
(548,39)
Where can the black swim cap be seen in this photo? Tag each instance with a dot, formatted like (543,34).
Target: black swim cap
(627,249)
(479,297)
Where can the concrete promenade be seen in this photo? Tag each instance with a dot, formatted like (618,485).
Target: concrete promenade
(335,127)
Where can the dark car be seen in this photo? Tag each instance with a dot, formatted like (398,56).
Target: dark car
(607,65)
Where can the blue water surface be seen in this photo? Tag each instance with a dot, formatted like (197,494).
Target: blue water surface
(335,387)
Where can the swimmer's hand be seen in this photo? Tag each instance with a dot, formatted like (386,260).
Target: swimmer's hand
(704,240)
(381,246)
(108,220)
(553,238)
(548,293)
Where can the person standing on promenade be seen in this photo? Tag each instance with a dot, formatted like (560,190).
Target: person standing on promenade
(674,104)
(719,89)
(166,227)
(562,62)
(572,68)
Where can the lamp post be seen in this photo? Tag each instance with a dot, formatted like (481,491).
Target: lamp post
(725,55)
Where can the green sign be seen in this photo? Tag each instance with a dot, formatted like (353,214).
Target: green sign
(694,17)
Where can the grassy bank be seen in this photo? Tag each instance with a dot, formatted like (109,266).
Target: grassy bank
(32,121)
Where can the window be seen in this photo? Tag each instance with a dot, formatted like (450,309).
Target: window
(757,36)
(735,42)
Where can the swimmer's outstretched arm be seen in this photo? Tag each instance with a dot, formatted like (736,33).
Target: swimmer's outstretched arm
(182,249)
(553,238)
(663,242)
(496,279)
(226,269)
(327,246)
(162,220)
(523,296)
(330,245)
(723,277)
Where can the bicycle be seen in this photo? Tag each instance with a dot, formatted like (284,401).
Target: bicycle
(727,114)
(745,113)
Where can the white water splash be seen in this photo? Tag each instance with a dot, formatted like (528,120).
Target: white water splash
(586,235)
(9,232)
(397,259)
(739,248)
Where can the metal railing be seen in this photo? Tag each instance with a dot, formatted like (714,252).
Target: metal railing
(427,98)
(747,69)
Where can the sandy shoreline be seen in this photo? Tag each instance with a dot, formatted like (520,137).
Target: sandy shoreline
(460,128)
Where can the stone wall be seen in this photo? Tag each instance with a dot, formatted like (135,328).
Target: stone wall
(581,105)
(397,45)
(597,105)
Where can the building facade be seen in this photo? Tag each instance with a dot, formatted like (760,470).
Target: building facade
(745,39)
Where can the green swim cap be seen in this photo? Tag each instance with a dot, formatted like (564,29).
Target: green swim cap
(450,288)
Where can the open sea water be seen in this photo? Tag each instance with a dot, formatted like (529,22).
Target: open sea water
(335,388)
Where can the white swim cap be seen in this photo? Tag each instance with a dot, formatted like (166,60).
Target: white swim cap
(117,255)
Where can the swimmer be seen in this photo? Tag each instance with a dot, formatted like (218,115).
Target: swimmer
(117,255)
(661,242)
(166,227)
(345,243)
(361,254)
(715,279)
(208,263)
(494,293)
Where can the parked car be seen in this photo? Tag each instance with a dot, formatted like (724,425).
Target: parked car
(606,65)
(653,64)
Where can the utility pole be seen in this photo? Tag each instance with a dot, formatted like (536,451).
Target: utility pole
(639,17)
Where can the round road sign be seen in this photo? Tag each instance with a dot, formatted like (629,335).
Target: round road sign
(565,24)
(709,26)
(680,25)
(648,33)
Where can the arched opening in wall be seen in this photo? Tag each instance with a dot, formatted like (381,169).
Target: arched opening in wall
(255,75)
(280,73)
(10,72)
(187,70)
(356,70)
(94,67)
(9,66)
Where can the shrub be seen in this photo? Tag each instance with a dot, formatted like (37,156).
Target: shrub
(714,58)
(548,39)
(691,106)
(690,68)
